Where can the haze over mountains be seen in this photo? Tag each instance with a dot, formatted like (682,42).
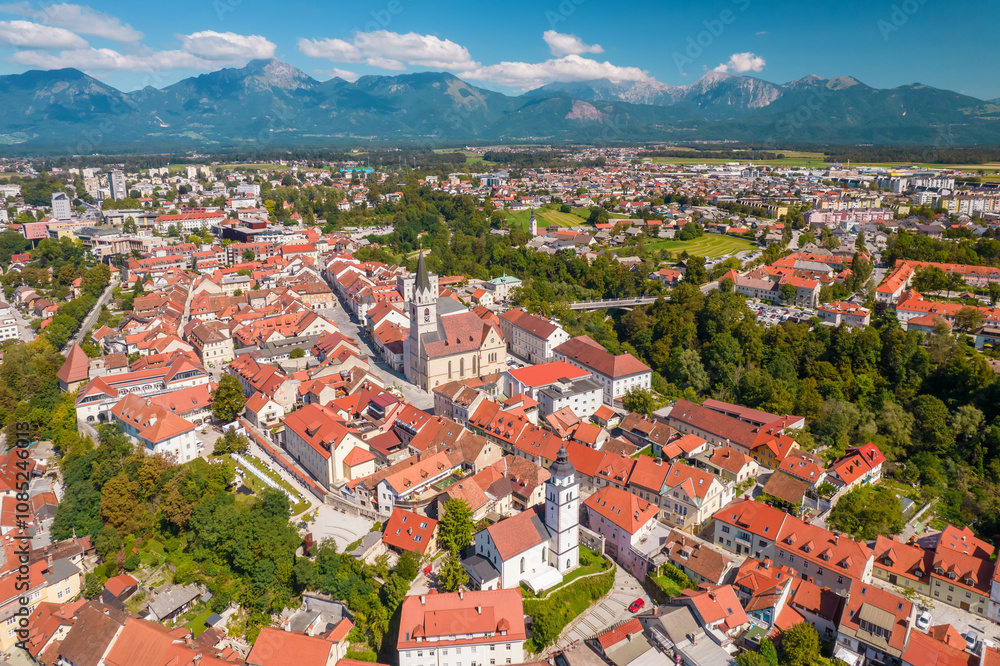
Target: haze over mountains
(270,104)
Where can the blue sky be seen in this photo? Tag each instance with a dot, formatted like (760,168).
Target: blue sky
(515,45)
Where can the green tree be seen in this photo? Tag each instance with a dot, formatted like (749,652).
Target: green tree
(800,645)
(749,658)
(694,271)
(228,399)
(994,289)
(687,370)
(129,226)
(930,424)
(456,527)
(787,292)
(297,353)
(768,652)
(452,574)
(968,318)
(868,511)
(639,401)
(119,498)
(248,255)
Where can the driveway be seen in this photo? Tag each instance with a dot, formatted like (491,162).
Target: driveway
(415,396)
(942,613)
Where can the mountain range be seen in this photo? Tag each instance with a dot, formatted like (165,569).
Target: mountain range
(270,104)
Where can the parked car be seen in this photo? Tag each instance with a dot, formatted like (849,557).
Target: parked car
(636,606)
(924,621)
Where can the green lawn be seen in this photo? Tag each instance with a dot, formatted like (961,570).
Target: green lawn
(259,486)
(551,615)
(596,564)
(197,624)
(546,216)
(709,245)
(792,158)
(648,451)
(668,585)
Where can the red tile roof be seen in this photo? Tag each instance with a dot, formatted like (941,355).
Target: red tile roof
(407,530)
(547,373)
(589,353)
(275,647)
(440,616)
(620,633)
(622,508)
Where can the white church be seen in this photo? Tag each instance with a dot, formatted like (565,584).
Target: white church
(535,549)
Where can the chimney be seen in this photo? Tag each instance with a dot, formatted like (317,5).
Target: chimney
(479,610)
(461,593)
(423,599)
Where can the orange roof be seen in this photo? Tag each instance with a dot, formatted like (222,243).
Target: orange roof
(275,647)
(497,613)
(407,530)
(77,366)
(620,633)
(622,508)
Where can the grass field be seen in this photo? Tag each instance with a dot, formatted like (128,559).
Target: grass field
(545,216)
(813,160)
(709,246)
(791,158)
(259,166)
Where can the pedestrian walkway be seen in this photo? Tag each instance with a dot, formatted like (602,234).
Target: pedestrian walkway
(611,609)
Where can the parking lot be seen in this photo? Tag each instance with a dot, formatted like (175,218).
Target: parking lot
(770,314)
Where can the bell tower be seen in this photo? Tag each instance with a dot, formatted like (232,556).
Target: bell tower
(562,513)
(423,319)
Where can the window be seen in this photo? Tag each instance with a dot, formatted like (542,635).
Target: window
(840,579)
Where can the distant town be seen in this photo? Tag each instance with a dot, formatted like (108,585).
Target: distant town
(504,409)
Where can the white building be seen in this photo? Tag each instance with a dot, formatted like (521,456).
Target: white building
(502,286)
(116,179)
(531,337)
(474,628)
(156,429)
(617,374)
(534,549)
(62,207)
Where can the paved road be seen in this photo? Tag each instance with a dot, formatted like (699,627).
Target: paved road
(610,611)
(91,318)
(415,396)
(23,326)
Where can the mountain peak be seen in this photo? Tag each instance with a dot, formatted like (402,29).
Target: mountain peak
(279,74)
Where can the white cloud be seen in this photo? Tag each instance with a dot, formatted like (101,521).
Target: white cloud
(79,18)
(25,34)
(227,46)
(568,68)
(338,73)
(391,50)
(562,44)
(742,62)
(107,60)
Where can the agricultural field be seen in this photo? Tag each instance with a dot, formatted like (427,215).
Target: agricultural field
(791,158)
(545,216)
(709,246)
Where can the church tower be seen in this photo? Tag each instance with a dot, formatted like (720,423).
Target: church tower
(533,224)
(562,513)
(423,319)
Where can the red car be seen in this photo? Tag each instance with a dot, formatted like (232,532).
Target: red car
(636,606)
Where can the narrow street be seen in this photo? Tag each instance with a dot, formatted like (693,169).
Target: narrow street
(91,318)
(418,398)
